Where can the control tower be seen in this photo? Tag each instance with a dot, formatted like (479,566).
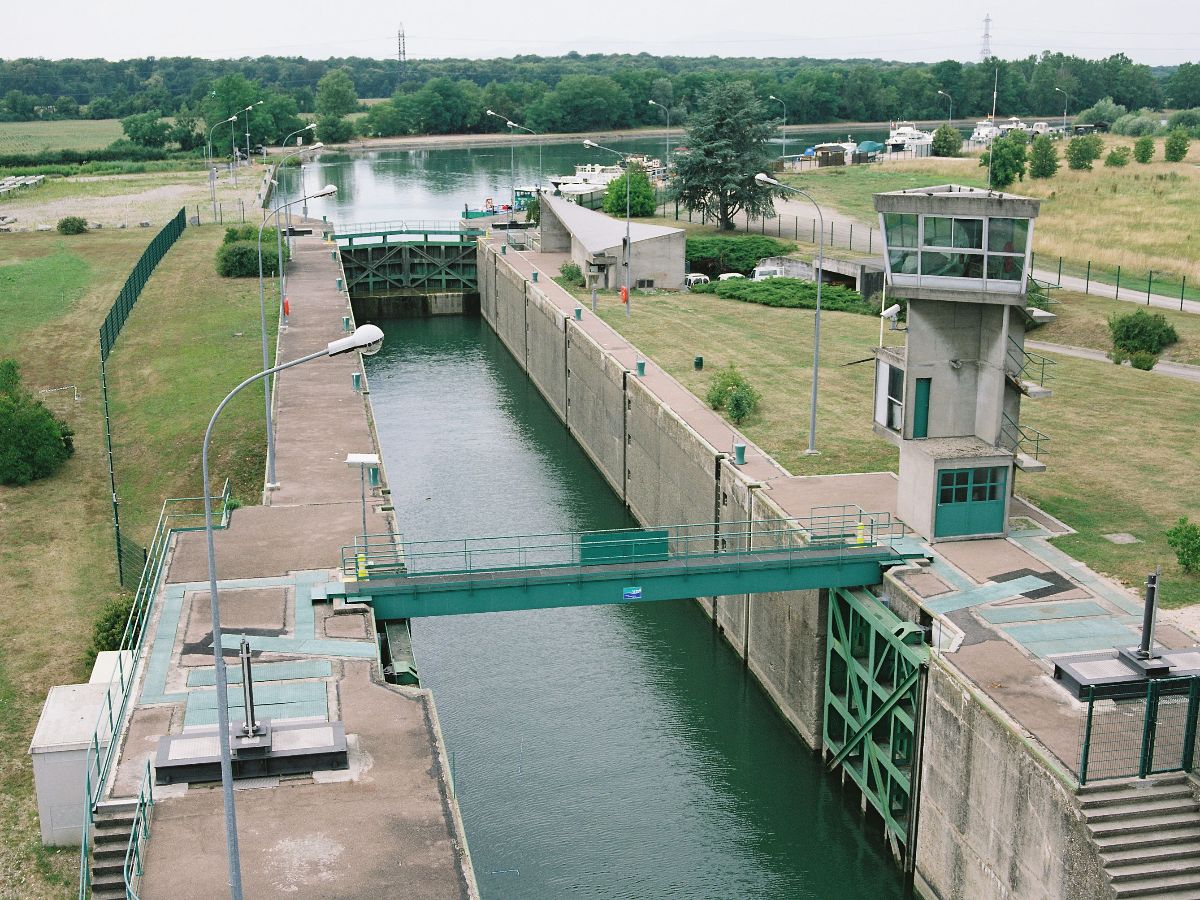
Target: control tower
(950,399)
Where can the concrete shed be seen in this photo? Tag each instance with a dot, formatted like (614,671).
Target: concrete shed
(595,242)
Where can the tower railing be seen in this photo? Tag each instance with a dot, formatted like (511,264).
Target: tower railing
(1028,366)
(1014,436)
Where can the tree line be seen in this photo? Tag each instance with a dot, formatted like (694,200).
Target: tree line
(579,92)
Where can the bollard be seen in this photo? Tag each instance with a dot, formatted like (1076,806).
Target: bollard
(324,218)
(333,255)
(641,367)
(339,285)
(345,323)
(578,313)
(593,299)
(356,381)
(698,363)
(535,275)
(504,249)
(373,476)
(739,454)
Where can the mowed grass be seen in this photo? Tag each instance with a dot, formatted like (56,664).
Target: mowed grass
(65,134)
(174,361)
(36,290)
(1124,453)
(1083,322)
(1139,217)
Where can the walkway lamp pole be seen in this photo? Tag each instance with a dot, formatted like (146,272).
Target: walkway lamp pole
(628,262)
(282,272)
(368,339)
(233,150)
(512,124)
(667,110)
(326,191)
(763,178)
(512,163)
(949,121)
(782,130)
(212,181)
(311,126)
(1066,99)
(247,112)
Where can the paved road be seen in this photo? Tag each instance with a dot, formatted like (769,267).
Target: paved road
(1131,295)
(1170,369)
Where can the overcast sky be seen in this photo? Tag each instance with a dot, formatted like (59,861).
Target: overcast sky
(1149,31)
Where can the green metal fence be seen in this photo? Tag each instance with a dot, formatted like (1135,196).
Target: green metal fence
(110,330)
(1140,734)
(1124,282)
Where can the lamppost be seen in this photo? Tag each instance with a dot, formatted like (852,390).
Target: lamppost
(628,263)
(233,150)
(262,309)
(311,126)
(368,339)
(782,130)
(763,178)
(1066,99)
(278,237)
(247,112)
(212,175)
(512,164)
(950,120)
(667,110)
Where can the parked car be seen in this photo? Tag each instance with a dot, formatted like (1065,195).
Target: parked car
(762,273)
(1041,128)
(730,276)
(695,278)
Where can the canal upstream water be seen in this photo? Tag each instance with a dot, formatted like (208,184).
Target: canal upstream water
(606,752)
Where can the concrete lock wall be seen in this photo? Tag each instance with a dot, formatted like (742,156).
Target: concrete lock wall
(596,405)
(509,311)
(546,349)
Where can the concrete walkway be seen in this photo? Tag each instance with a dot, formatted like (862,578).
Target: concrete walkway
(386,826)
(1170,369)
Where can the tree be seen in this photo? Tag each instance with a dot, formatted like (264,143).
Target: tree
(581,103)
(184,132)
(333,130)
(1118,157)
(1104,112)
(100,108)
(1183,87)
(1043,158)
(1006,159)
(1176,146)
(33,442)
(335,94)
(727,144)
(66,107)
(20,106)
(1083,151)
(446,106)
(641,194)
(1143,149)
(947,141)
(147,129)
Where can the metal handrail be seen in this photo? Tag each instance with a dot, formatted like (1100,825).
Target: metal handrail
(138,835)
(1031,366)
(843,529)
(1024,437)
(103,746)
(403,226)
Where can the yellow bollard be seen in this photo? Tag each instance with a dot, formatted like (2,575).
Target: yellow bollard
(362,566)
(862,533)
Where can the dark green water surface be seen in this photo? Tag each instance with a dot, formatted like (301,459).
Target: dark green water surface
(605,752)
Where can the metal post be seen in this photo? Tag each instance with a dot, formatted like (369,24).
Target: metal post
(1118,294)
(1087,283)
(362,491)
(1149,282)
(1148,610)
(1087,736)
(233,151)
(1149,722)
(1189,733)
(250,726)
(1182,286)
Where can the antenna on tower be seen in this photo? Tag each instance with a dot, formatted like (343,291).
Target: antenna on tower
(985,51)
(401,55)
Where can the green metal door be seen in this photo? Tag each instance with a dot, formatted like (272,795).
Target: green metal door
(921,409)
(970,501)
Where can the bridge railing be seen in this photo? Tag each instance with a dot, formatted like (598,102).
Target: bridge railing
(405,230)
(828,529)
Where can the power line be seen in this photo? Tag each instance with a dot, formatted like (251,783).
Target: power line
(985,52)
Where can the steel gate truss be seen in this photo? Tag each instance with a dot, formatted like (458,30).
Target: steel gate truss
(410,267)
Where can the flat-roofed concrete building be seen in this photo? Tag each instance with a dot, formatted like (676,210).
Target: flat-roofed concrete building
(596,241)
(951,397)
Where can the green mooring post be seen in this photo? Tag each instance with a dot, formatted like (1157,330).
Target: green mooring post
(739,454)
(698,363)
(504,249)
(339,284)
(641,367)
(356,381)
(535,276)
(578,313)
(345,323)
(333,255)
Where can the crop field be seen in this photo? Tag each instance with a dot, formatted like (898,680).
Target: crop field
(67,134)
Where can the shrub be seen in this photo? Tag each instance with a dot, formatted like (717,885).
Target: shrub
(947,141)
(642,201)
(1043,158)
(741,403)
(790,293)
(533,211)
(1185,118)
(1140,359)
(1103,112)
(570,275)
(1005,159)
(1141,332)
(238,257)
(1118,157)
(72,225)
(1184,539)
(334,129)
(1143,149)
(1176,146)
(1135,124)
(109,627)
(714,255)
(1083,151)
(723,383)
(33,442)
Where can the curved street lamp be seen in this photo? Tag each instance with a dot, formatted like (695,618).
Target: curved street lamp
(326,191)
(512,163)
(368,339)
(783,129)
(628,263)
(1066,99)
(763,178)
(212,180)
(247,112)
(667,110)
(949,121)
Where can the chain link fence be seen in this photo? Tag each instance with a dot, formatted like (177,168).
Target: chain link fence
(1136,735)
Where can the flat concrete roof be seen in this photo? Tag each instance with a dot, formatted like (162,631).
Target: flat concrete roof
(599,232)
(69,717)
(957,199)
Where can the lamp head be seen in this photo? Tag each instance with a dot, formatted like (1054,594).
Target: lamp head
(510,124)
(311,147)
(492,112)
(366,338)
(652,103)
(587,143)
(311,126)
(772,97)
(943,93)
(328,191)
(764,178)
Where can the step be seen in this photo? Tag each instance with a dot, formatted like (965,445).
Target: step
(1027,463)
(1116,796)
(105,852)
(1033,390)
(119,835)
(1158,822)
(1140,808)
(114,868)
(1131,784)
(1151,850)
(1153,869)
(110,892)
(1154,887)
(1142,839)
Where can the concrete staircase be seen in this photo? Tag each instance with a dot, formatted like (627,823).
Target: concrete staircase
(110,841)
(1148,832)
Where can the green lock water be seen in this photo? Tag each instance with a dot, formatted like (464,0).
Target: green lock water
(604,752)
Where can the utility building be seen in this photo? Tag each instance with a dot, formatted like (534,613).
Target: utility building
(951,398)
(596,243)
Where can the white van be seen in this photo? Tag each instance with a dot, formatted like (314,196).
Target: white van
(693,278)
(762,273)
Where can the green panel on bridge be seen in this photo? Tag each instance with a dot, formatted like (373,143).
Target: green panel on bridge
(414,267)
(632,545)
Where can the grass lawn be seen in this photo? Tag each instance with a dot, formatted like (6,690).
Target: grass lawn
(1083,322)
(174,361)
(66,134)
(1123,456)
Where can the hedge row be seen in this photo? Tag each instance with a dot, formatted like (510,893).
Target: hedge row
(790,293)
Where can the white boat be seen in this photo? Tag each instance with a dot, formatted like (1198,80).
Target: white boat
(984,131)
(589,173)
(1013,124)
(905,133)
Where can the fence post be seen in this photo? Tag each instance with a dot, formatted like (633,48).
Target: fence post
(851,235)
(1189,728)
(870,240)
(1118,294)
(1149,282)
(1182,286)
(814,224)
(1060,270)
(1149,722)
(1087,283)
(831,233)
(796,223)
(1087,737)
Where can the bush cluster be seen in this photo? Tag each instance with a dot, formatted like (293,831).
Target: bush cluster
(1083,151)
(34,443)
(790,293)
(1176,146)
(1117,156)
(1184,539)
(730,391)
(72,225)
(109,627)
(1140,337)
(570,275)
(1143,149)
(716,255)
(237,257)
